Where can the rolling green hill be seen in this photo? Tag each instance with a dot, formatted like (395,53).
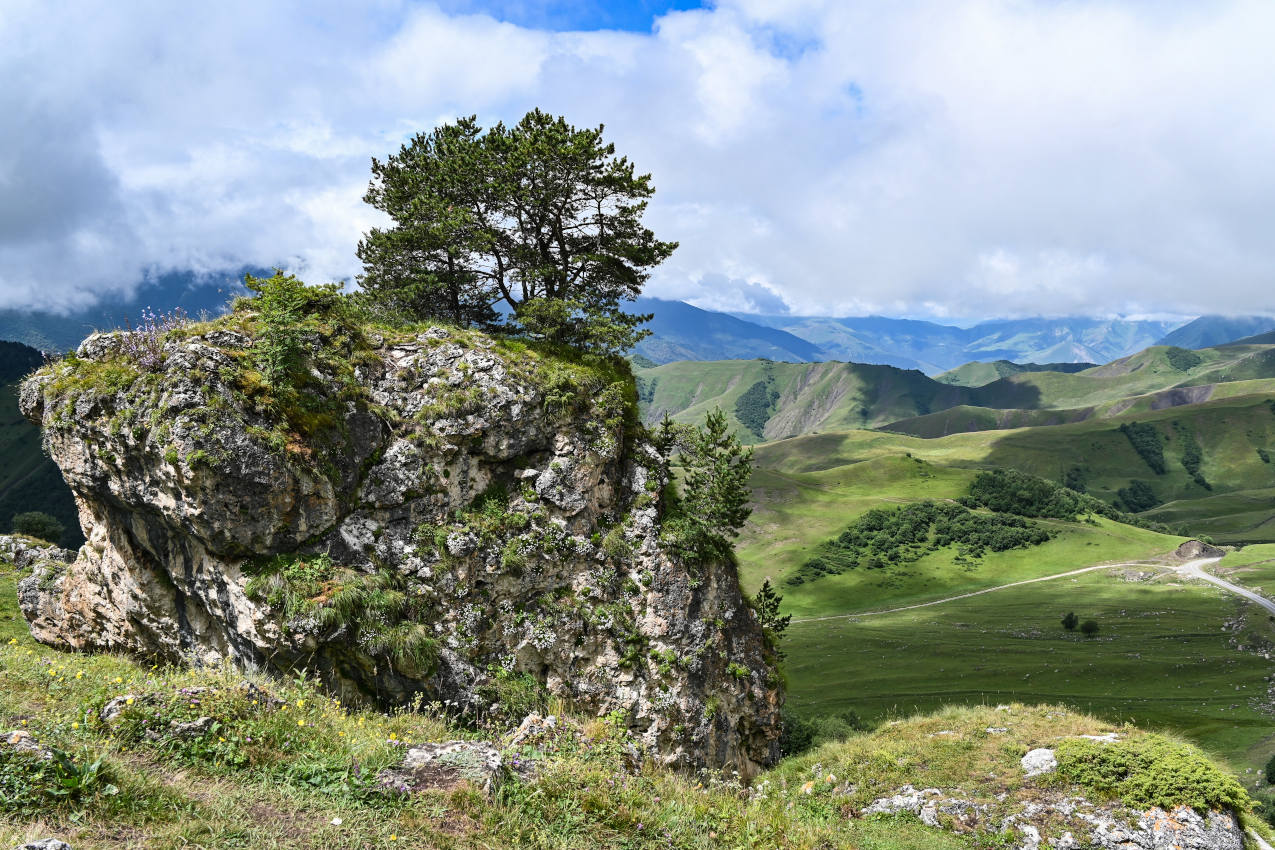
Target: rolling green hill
(1162,655)
(979,373)
(769,401)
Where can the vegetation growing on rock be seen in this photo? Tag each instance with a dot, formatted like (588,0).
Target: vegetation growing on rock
(407,511)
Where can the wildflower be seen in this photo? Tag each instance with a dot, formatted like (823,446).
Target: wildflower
(222,740)
(336,821)
(12,641)
(75,726)
(119,679)
(300,703)
(831,778)
(393,838)
(128,701)
(300,722)
(808,788)
(393,736)
(341,734)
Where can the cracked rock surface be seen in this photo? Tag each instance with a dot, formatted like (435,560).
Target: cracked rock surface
(186,482)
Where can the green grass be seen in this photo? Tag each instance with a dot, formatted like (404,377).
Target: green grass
(282,775)
(1161,659)
(817,397)
(795,511)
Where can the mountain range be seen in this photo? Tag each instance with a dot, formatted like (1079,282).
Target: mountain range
(683,332)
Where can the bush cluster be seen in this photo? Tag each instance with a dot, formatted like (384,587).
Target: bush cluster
(1182,359)
(1148,443)
(1192,454)
(1150,771)
(755,406)
(885,537)
(1138,497)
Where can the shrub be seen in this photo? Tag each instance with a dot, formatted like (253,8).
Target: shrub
(796,734)
(1089,628)
(1182,359)
(755,405)
(1148,443)
(1138,496)
(1070,621)
(1270,771)
(39,525)
(1150,771)
(282,303)
(1192,454)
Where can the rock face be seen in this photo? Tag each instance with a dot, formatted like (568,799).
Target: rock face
(1068,822)
(433,517)
(1197,549)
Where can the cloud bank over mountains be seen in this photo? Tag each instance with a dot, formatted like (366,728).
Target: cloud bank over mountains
(991,157)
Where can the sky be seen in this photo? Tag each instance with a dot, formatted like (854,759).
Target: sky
(951,159)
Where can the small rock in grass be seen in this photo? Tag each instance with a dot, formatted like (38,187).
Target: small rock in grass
(1039,761)
(45,844)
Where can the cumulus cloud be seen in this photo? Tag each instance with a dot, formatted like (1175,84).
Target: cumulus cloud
(989,157)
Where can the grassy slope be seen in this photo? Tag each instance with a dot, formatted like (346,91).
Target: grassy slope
(29,480)
(796,511)
(819,397)
(1230,432)
(288,777)
(1161,659)
(979,373)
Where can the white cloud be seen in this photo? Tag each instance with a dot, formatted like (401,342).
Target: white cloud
(989,157)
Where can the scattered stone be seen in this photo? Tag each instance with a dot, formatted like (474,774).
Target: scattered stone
(997,730)
(22,741)
(446,766)
(45,844)
(113,709)
(533,727)
(1054,820)
(192,728)
(1039,761)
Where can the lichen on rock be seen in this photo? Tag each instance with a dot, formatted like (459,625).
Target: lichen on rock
(433,515)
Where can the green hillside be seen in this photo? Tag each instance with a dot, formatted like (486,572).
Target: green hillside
(770,401)
(29,480)
(1162,656)
(767,400)
(979,373)
(1233,437)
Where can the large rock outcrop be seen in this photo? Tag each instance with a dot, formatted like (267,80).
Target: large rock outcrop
(431,517)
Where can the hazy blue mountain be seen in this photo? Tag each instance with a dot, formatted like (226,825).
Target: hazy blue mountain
(194,294)
(1267,338)
(682,332)
(934,348)
(1208,331)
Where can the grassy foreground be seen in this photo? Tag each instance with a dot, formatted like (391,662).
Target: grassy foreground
(297,773)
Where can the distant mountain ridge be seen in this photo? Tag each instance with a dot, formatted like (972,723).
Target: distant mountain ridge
(1208,331)
(680,331)
(193,293)
(935,348)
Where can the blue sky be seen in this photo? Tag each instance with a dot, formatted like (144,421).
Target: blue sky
(955,159)
(580,15)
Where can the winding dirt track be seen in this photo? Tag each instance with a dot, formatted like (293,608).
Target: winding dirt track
(1191,569)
